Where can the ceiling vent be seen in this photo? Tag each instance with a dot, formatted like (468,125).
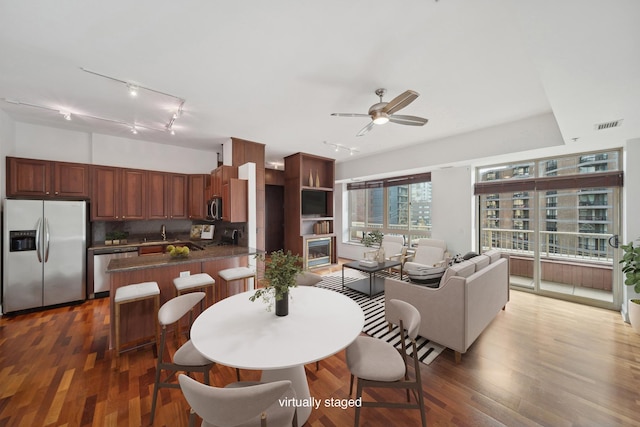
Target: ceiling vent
(608,125)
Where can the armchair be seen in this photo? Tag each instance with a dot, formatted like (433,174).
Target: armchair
(428,253)
(394,248)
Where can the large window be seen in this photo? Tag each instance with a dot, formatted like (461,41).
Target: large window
(555,218)
(400,206)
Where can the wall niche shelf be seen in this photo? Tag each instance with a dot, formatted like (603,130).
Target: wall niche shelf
(299,170)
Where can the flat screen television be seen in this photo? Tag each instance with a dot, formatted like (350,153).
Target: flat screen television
(314,203)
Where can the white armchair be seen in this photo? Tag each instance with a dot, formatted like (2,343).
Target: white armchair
(428,253)
(394,248)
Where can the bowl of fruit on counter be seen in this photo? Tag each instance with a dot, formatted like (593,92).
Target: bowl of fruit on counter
(178,251)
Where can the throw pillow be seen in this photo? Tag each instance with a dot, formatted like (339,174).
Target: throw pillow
(307,278)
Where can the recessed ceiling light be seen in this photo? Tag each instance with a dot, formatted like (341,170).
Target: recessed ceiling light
(134,130)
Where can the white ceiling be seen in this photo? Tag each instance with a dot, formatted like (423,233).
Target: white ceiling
(274,71)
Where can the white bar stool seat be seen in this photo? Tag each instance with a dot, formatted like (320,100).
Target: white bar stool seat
(198,281)
(132,293)
(238,273)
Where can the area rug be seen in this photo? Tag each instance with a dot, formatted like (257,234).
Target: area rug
(375,324)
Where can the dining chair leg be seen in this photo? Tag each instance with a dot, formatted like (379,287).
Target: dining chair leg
(351,385)
(358,396)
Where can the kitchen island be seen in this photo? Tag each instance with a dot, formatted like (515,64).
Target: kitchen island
(138,321)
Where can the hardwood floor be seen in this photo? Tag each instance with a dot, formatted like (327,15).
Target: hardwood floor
(541,362)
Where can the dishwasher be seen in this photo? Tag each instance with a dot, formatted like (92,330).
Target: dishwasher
(101,259)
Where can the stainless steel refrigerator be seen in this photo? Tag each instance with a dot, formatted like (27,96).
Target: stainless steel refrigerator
(44,253)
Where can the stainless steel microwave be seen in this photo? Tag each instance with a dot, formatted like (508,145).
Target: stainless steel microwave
(214,209)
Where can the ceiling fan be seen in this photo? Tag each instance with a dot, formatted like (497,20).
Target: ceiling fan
(383,112)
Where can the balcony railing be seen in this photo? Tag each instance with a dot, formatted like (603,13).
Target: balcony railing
(590,247)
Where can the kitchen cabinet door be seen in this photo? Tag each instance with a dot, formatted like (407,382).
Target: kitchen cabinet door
(178,196)
(234,200)
(105,193)
(134,194)
(197,196)
(71,180)
(157,195)
(28,177)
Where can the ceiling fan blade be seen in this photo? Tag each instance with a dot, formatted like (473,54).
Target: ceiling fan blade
(408,120)
(366,129)
(349,115)
(400,101)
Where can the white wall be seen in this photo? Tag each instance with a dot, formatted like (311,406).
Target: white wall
(452,218)
(48,143)
(527,134)
(7,146)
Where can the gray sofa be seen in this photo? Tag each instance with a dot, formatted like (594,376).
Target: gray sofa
(468,298)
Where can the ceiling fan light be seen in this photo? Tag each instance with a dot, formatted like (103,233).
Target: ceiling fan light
(380,118)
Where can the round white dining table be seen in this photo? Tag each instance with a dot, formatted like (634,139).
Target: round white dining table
(239,333)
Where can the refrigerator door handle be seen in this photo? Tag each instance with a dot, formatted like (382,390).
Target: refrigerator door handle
(38,240)
(46,236)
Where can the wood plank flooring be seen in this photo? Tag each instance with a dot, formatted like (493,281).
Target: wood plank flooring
(542,362)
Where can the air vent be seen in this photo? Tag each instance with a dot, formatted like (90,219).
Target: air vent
(608,125)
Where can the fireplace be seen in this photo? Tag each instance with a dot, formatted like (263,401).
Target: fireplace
(318,252)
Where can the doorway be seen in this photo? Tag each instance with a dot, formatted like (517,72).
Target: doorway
(274,218)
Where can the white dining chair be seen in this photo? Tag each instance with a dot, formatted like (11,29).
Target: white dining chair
(241,404)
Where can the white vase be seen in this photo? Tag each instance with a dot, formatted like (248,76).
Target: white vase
(634,314)
(381,256)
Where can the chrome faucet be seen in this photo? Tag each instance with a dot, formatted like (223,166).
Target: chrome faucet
(163,232)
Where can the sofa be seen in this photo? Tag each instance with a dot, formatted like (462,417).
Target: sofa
(468,298)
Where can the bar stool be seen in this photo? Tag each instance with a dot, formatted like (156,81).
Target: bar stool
(238,273)
(132,293)
(200,282)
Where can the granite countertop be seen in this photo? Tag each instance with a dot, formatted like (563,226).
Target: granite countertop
(137,242)
(162,260)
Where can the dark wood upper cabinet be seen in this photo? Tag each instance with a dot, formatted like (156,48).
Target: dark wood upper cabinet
(157,195)
(118,194)
(45,179)
(178,196)
(105,194)
(198,186)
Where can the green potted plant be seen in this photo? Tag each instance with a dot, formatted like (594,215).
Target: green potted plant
(631,269)
(369,240)
(280,274)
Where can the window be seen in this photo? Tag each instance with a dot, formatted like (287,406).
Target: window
(400,205)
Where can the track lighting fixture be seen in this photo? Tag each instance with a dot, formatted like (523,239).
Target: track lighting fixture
(67,116)
(133,90)
(338,147)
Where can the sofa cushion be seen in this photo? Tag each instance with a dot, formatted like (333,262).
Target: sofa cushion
(464,268)
(481,261)
(493,255)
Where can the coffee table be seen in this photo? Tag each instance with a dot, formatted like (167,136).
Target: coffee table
(374,284)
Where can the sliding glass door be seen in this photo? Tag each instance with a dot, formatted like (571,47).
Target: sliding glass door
(557,223)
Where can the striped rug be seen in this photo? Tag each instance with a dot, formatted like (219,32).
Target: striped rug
(374,323)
